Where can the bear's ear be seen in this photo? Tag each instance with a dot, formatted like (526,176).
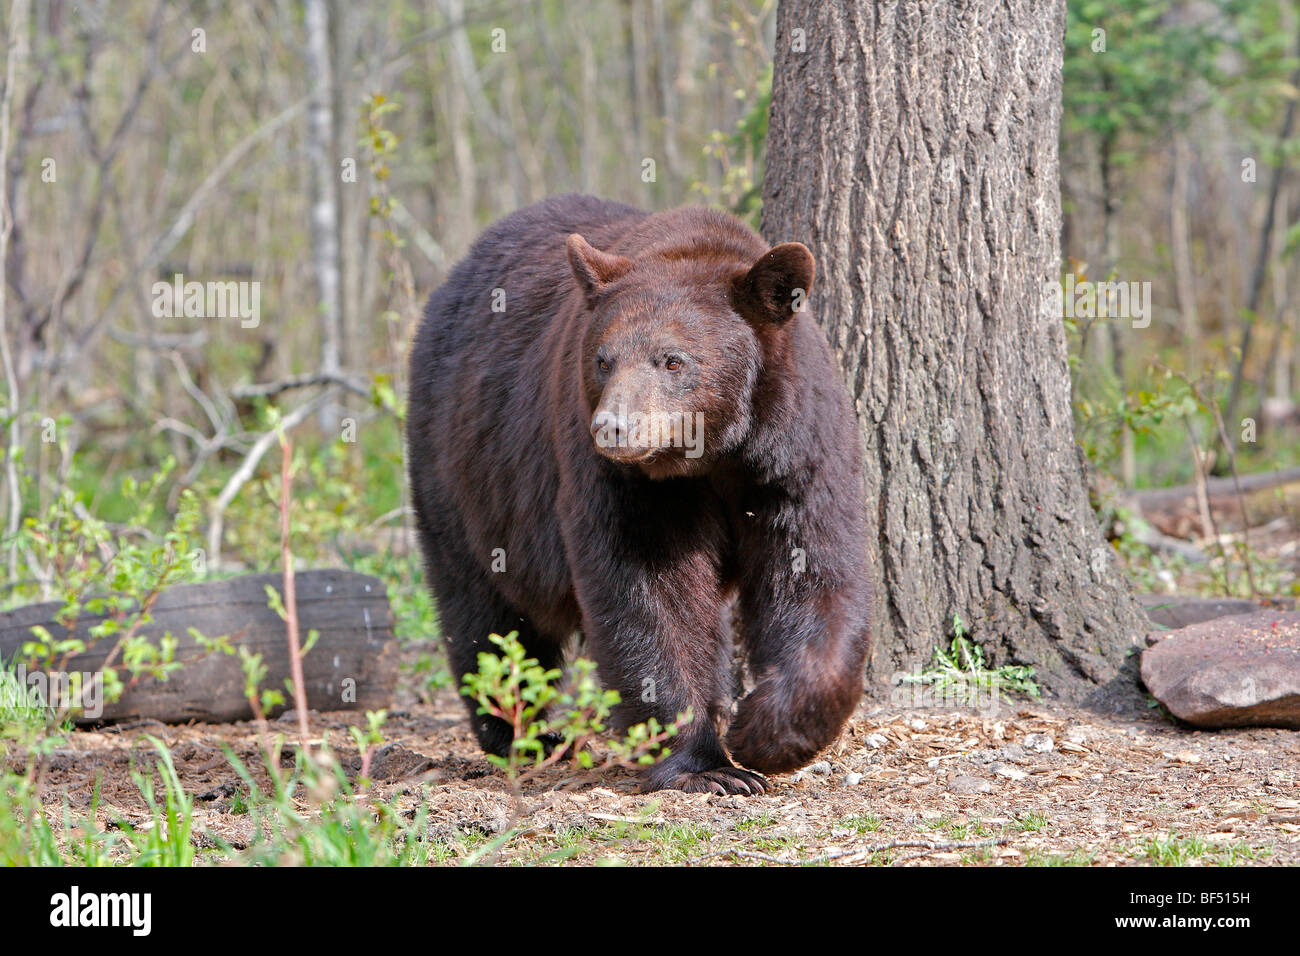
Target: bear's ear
(776,286)
(593,268)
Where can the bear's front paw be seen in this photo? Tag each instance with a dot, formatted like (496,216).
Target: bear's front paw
(722,781)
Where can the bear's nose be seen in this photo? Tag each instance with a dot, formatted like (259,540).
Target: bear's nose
(609,429)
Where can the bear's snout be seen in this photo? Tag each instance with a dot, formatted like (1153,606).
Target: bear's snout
(617,438)
(608,428)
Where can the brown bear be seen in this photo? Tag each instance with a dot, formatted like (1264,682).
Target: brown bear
(622,424)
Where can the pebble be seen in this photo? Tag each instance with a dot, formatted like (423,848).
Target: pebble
(918,724)
(875,741)
(852,779)
(1038,743)
(1010,772)
(822,768)
(965,784)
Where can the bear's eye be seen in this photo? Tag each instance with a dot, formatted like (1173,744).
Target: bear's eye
(672,363)
(602,365)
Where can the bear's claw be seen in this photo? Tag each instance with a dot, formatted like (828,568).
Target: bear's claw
(721,781)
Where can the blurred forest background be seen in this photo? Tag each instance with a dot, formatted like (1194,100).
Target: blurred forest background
(342,156)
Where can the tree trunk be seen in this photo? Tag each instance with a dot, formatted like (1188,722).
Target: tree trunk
(324,198)
(15,59)
(1180,247)
(914,148)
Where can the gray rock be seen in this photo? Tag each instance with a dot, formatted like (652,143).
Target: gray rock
(852,779)
(822,768)
(875,741)
(1241,671)
(966,784)
(1039,743)
(1010,772)
(1015,753)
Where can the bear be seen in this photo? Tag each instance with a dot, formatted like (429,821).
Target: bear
(627,426)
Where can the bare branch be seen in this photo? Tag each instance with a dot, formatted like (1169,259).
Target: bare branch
(217,511)
(269,389)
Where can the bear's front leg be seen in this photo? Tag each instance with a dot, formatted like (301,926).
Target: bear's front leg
(653,618)
(663,665)
(806,631)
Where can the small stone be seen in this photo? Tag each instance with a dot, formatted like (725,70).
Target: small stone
(1010,772)
(1015,753)
(918,724)
(875,741)
(966,784)
(1038,743)
(822,768)
(852,779)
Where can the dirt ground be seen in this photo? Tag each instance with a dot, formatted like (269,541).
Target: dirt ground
(1030,785)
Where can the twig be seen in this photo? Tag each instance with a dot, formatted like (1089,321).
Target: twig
(188,213)
(187,382)
(216,513)
(1241,497)
(290,596)
(856,851)
(270,389)
(1222,429)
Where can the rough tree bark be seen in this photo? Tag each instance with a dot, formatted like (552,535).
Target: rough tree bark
(913,146)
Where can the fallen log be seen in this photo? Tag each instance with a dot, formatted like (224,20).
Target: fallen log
(352,666)
(1158,499)
(1181,610)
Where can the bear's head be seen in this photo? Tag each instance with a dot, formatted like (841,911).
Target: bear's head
(674,347)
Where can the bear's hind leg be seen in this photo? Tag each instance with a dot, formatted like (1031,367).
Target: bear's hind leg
(469,610)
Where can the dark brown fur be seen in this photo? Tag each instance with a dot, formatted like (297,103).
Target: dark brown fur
(641,549)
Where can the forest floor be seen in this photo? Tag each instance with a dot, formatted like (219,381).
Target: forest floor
(1030,785)
(1023,783)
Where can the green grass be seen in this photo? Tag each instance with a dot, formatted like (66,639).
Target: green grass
(1077,857)
(1175,850)
(1033,822)
(970,830)
(20,716)
(863,823)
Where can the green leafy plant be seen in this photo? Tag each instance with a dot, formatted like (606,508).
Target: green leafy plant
(961,674)
(516,688)
(111,575)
